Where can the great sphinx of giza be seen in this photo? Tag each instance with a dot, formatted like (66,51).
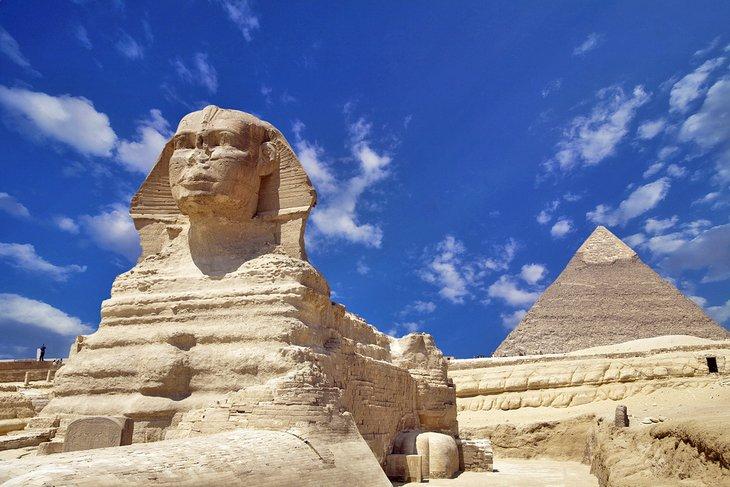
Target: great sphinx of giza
(224,324)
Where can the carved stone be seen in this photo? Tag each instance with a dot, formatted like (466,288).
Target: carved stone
(98,432)
(622,416)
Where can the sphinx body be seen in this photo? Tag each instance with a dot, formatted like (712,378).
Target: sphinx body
(223,323)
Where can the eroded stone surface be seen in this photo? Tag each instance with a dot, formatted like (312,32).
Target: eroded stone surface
(224,324)
(606,295)
(98,432)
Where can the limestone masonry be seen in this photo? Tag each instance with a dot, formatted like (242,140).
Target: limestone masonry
(223,324)
(606,295)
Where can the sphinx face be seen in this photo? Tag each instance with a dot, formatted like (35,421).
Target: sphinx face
(214,167)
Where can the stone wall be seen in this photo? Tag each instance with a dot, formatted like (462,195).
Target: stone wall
(15,370)
(570,380)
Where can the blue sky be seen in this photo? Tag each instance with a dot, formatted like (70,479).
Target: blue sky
(461,155)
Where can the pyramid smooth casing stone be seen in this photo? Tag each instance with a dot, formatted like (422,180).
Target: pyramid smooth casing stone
(606,295)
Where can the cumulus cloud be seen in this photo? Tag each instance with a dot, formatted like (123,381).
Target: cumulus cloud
(709,251)
(561,228)
(448,271)
(507,289)
(511,320)
(653,225)
(692,86)
(651,128)
(709,127)
(590,139)
(141,154)
(199,72)
(24,257)
(113,230)
(533,273)
(653,170)
(240,13)
(16,309)
(336,216)
(71,120)
(502,259)
(641,200)
(311,157)
(590,43)
(13,207)
(546,214)
(66,224)
(418,307)
(721,313)
(10,48)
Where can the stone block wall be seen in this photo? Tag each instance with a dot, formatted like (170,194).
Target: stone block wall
(475,455)
(14,370)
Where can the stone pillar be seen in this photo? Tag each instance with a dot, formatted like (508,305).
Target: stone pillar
(49,375)
(621,419)
(27,379)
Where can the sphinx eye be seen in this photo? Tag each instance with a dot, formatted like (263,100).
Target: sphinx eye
(182,142)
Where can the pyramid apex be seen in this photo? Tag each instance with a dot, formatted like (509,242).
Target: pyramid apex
(603,247)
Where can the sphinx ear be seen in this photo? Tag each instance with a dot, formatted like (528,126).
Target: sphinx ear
(267,159)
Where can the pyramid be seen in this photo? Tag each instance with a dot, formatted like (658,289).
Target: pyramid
(606,295)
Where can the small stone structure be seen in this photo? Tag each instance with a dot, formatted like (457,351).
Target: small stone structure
(17,370)
(98,432)
(621,418)
(439,454)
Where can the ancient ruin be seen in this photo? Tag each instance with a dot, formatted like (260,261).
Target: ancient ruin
(606,295)
(224,325)
(221,359)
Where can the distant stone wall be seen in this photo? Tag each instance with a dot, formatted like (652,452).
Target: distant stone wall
(14,370)
(570,380)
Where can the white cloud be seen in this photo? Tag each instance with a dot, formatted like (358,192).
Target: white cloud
(418,307)
(199,72)
(721,313)
(310,155)
(129,47)
(653,169)
(590,139)
(590,43)
(666,152)
(691,87)
(710,197)
(652,225)
(24,257)
(141,154)
(362,268)
(709,127)
(571,197)
(552,87)
(676,171)
(410,326)
(337,217)
(15,309)
(665,244)
(651,128)
(448,271)
(561,228)
(698,300)
(82,36)
(507,289)
(68,119)
(511,320)
(641,200)
(10,48)
(113,230)
(533,273)
(635,240)
(505,254)
(547,214)
(709,251)
(241,14)
(13,207)
(709,48)
(66,224)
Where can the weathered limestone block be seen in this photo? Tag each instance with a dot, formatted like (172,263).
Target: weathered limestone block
(406,468)
(475,455)
(606,295)
(98,432)
(621,419)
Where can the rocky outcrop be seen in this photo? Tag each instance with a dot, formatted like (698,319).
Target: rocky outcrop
(606,295)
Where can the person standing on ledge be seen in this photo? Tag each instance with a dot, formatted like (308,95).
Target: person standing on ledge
(43,353)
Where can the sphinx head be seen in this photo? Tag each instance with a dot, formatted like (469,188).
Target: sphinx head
(218,161)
